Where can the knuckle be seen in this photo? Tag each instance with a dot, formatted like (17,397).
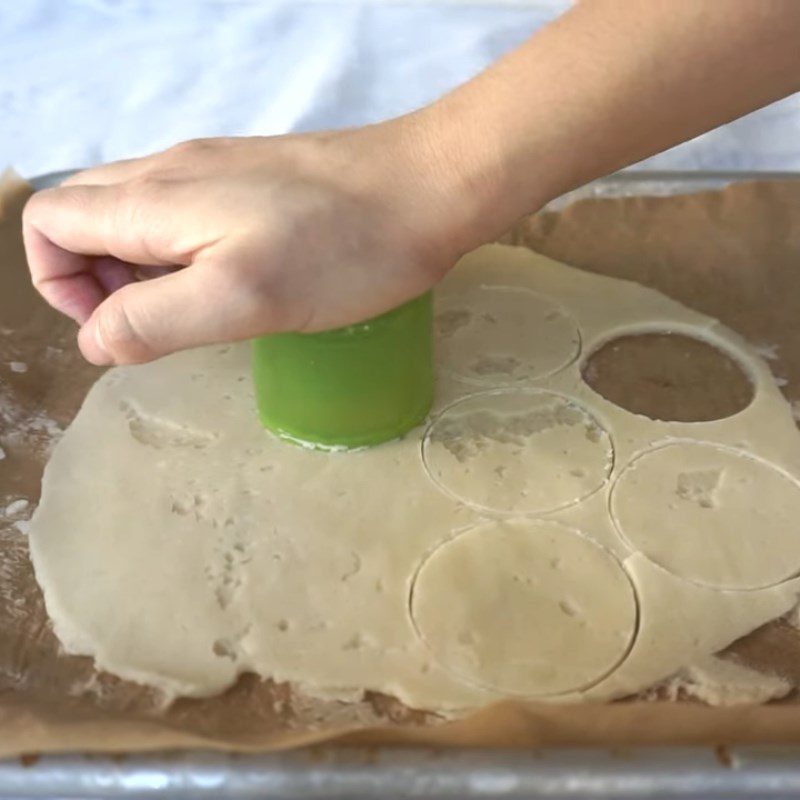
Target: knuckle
(141,198)
(42,202)
(36,200)
(33,207)
(190,147)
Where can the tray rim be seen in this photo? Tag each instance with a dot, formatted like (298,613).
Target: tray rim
(347,772)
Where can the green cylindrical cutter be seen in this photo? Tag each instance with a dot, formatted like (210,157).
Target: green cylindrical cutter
(350,387)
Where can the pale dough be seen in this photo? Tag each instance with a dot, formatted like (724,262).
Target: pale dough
(511,587)
(484,335)
(721,682)
(517,451)
(179,544)
(710,514)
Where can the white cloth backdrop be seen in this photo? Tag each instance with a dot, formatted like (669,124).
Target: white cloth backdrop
(87,81)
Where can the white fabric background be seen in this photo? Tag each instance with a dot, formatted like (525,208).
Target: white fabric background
(86,81)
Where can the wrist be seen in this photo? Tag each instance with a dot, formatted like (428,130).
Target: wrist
(473,170)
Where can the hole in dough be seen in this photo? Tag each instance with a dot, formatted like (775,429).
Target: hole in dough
(516,451)
(710,514)
(500,335)
(525,607)
(669,377)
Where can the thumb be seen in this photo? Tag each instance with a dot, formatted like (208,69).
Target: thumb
(146,320)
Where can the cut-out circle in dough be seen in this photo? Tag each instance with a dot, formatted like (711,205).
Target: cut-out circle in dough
(668,376)
(516,451)
(745,511)
(524,607)
(500,335)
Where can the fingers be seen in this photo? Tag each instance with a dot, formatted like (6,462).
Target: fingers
(81,231)
(145,320)
(84,242)
(106,174)
(136,212)
(228,294)
(64,279)
(112,220)
(112,274)
(189,157)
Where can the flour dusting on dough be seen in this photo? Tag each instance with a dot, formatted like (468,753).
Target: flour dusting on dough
(24,428)
(723,682)
(699,486)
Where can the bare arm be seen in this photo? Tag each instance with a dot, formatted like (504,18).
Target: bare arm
(309,232)
(608,84)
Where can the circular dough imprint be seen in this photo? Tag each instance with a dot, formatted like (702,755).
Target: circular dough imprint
(524,607)
(517,451)
(501,335)
(711,514)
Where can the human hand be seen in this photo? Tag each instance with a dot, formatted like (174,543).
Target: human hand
(245,237)
(261,235)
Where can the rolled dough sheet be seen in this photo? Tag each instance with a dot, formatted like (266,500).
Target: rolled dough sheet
(534,540)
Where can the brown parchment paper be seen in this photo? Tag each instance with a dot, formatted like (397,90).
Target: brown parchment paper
(733,254)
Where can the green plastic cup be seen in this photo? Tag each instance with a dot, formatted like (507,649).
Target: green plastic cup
(350,387)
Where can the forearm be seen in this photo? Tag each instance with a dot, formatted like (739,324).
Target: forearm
(392,205)
(606,85)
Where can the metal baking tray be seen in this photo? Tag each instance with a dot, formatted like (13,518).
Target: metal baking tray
(341,774)
(764,772)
